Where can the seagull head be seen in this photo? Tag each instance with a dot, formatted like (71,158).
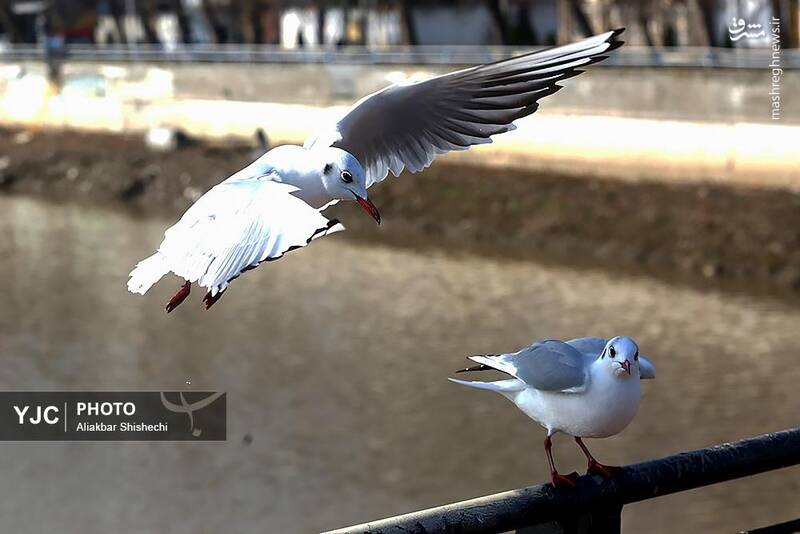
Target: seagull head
(345,179)
(621,356)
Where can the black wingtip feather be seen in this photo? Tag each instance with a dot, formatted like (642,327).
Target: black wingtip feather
(594,59)
(479,367)
(570,74)
(613,41)
(613,45)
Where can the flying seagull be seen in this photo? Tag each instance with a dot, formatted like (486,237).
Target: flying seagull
(585,388)
(273,205)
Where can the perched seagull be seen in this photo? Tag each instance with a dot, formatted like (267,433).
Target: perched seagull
(586,388)
(273,205)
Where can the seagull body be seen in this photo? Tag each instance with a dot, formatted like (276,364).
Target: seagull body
(273,205)
(585,388)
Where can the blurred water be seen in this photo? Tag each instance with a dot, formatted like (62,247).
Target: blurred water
(335,359)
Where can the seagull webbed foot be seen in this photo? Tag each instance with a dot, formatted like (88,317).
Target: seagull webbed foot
(179,296)
(606,471)
(564,481)
(209,300)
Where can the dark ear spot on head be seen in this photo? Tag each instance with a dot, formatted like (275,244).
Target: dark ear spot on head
(327,168)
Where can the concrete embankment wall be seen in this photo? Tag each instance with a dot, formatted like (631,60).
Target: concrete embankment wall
(664,123)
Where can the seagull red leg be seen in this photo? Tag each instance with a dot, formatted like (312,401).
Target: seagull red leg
(595,467)
(179,297)
(559,481)
(209,301)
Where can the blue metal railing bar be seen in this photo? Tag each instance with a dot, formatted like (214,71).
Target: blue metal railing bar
(535,505)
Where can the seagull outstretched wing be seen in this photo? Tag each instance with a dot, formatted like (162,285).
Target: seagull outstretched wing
(407,126)
(232,228)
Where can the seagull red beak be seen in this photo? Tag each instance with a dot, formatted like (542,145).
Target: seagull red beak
(370,208)
(627,366)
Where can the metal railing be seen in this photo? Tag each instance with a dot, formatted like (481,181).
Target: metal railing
(595,505)
(628,56)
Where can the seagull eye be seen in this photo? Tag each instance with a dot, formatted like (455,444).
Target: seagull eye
(612,352)
(347,177)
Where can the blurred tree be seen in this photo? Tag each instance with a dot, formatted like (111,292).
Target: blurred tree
(520,28)
(320,22)
(247,21)
(184,29)
(8,23)
(147,13)
(269,22)
(787,11)
(499,20)
(355,27)
(117,12)
(584,24)
(709,10)
(218,32)
(408,22)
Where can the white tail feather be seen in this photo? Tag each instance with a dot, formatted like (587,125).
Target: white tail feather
(511,385)
(147,272)
(494,362)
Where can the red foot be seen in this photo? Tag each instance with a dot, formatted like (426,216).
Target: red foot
(564,481)
(209,301)
(606,471)
(179,297)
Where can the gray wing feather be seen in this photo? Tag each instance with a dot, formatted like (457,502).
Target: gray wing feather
(646,367)
(550,365)
(591,346)
(406,126)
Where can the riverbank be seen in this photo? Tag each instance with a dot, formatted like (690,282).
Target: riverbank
(732,237)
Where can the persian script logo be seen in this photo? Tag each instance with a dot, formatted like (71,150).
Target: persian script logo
(739,29)
(190,408)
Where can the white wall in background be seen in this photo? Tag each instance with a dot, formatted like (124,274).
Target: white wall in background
(297,24)
(383,27)
(333,29)
(105,31)
(167,30)
(198,27)
(134,31)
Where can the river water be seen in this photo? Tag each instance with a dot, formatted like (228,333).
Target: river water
(335,359)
